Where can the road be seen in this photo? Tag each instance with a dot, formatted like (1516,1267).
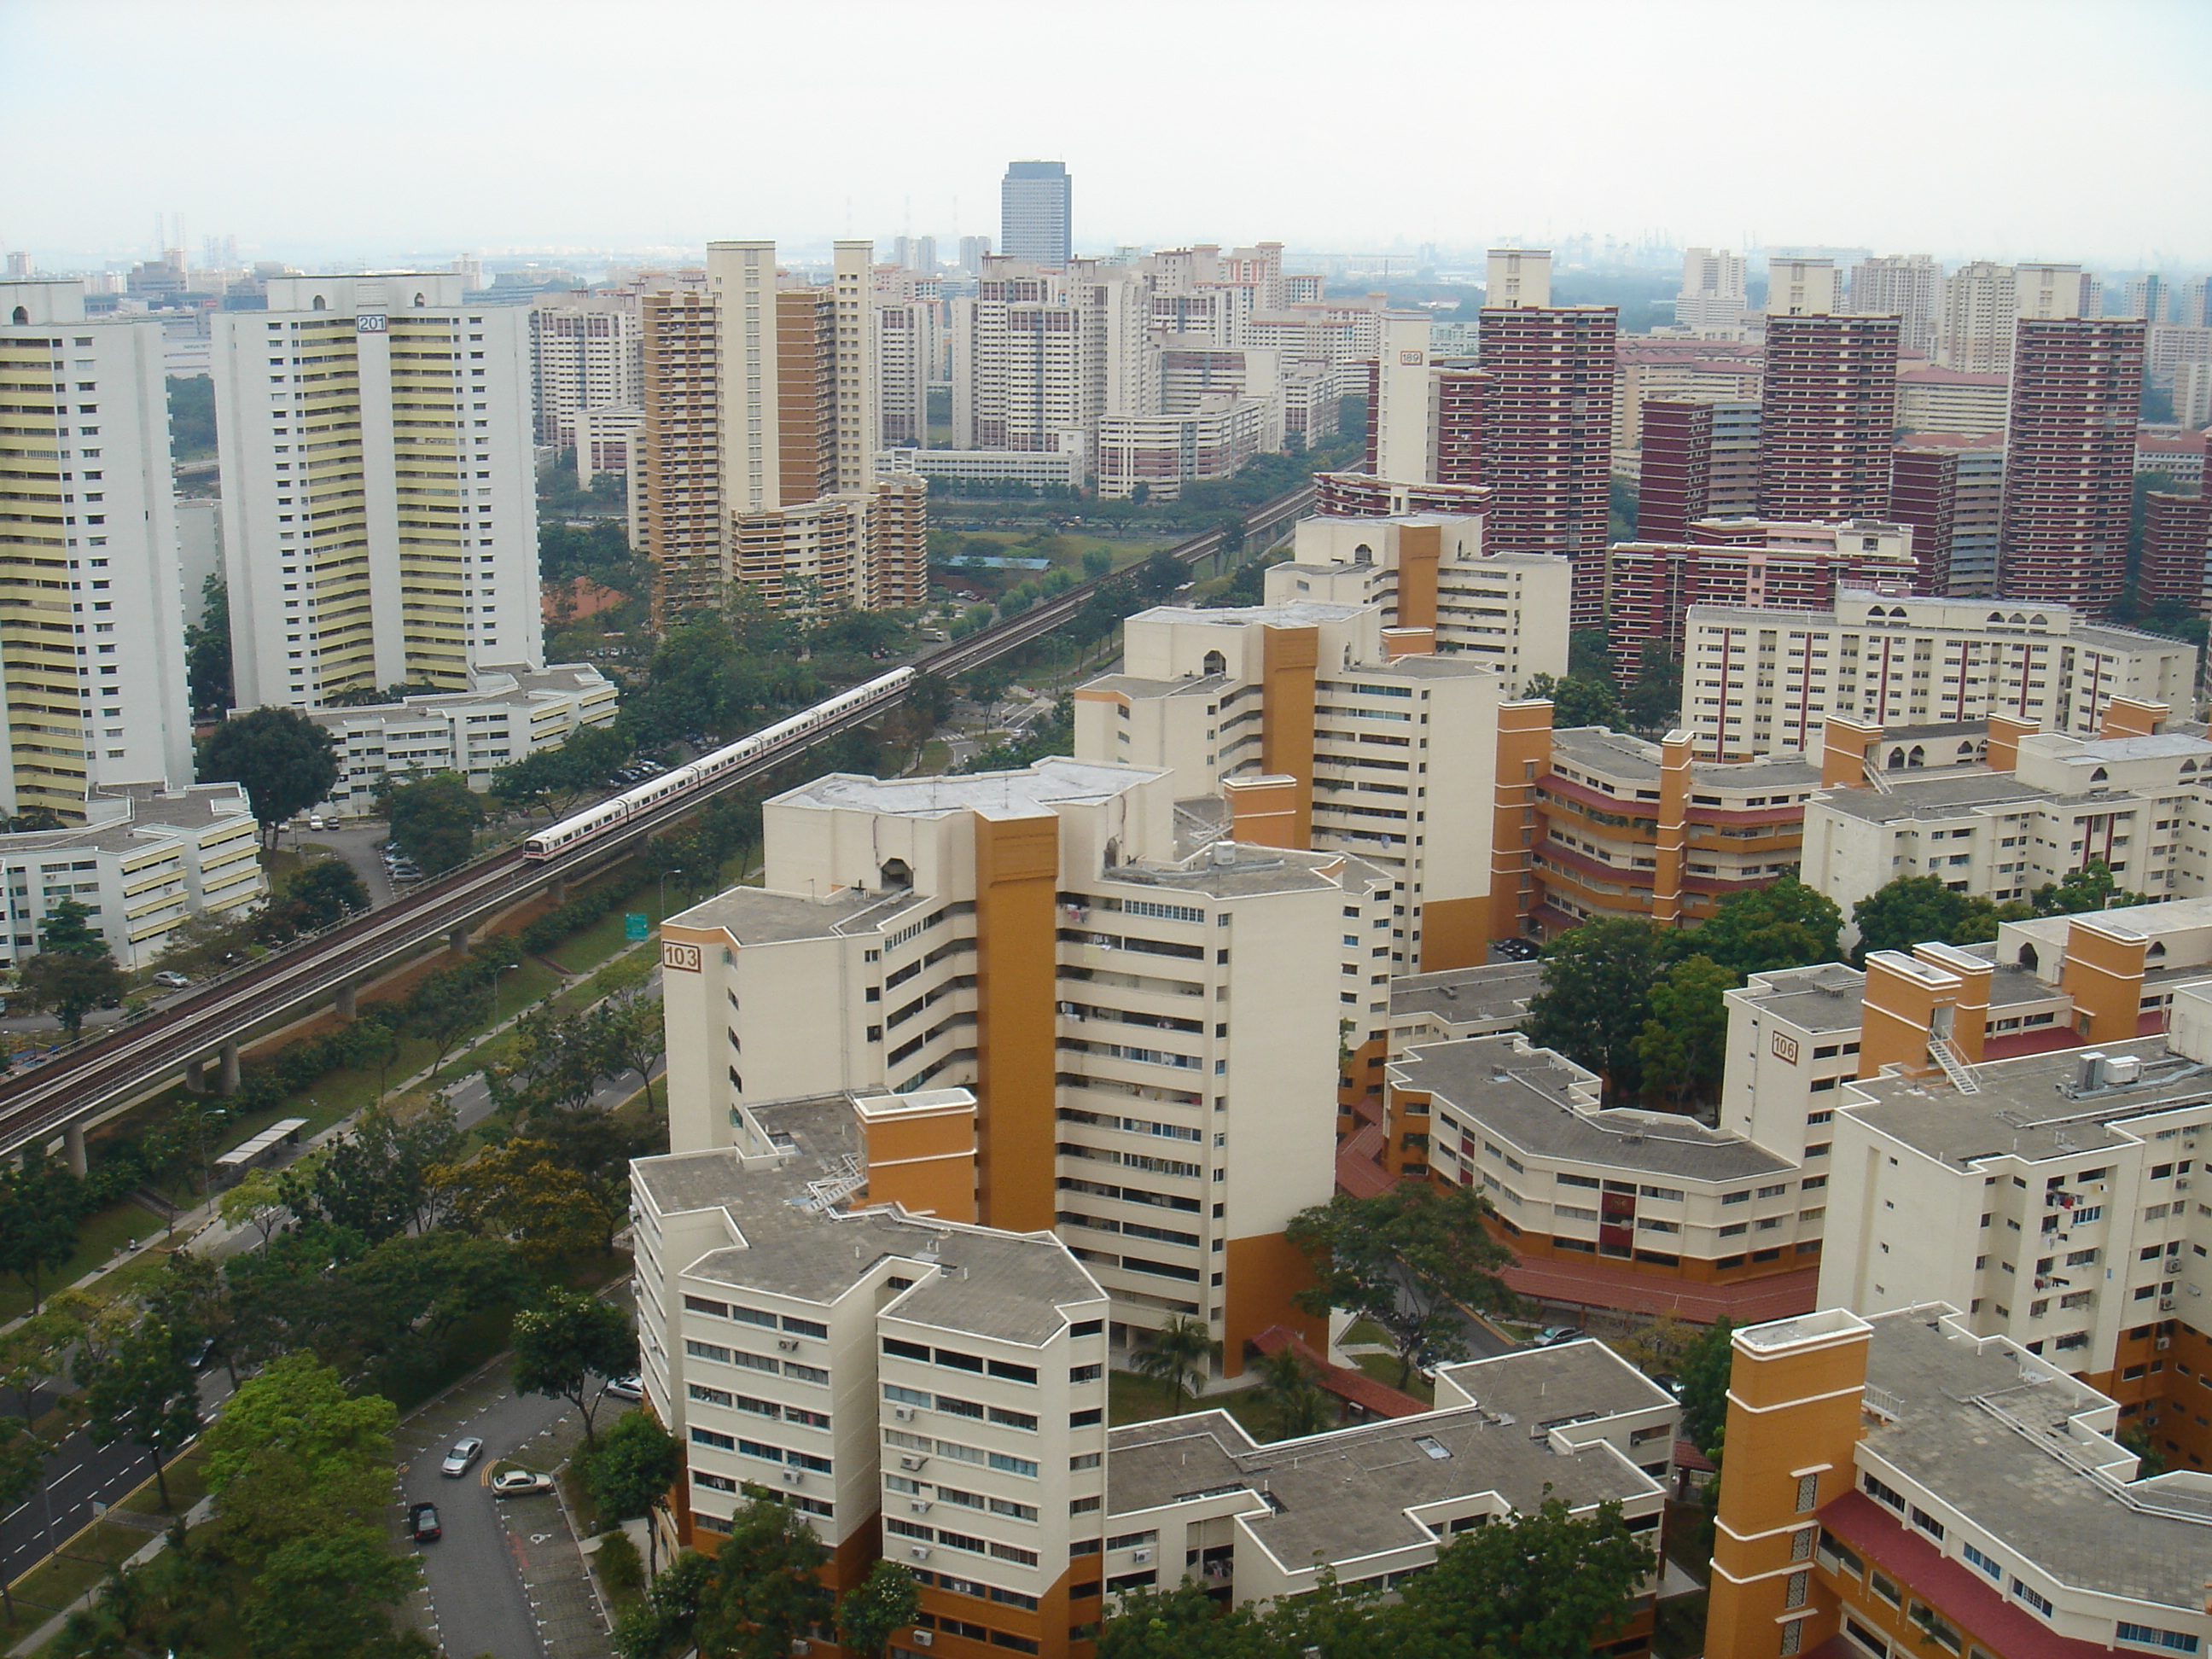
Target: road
(475,1583)
(77,1474)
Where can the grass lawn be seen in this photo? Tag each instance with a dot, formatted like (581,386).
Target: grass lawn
(1383,1368)
(60,1579)
(580,952)
(1132,1399)
(1366,1330)
(104,1232)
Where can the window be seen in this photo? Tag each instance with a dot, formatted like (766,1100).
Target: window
(1877,1487)
(1809,1493)
(1976,1558)
(2150,1637)
(2039,1602)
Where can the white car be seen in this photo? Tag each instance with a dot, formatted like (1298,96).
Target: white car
(514,1483)
(173,979)
(625,1388)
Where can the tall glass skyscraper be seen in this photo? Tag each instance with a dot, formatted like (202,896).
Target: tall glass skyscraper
(1033,213)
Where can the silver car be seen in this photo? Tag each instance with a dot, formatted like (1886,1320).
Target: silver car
(462,1458)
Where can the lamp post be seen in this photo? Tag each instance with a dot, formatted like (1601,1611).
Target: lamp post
(665,875)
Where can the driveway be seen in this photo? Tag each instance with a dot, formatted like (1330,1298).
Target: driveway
(478,1603)
(356,845)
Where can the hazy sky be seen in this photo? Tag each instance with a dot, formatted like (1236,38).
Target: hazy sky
(2008,128)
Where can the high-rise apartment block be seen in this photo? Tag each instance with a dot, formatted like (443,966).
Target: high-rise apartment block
(1315,725)
(1035,213)
(1150,1019)
(1037,352)
(1906,286)
(1758,682)
(587,351)
(2069,459)
(1949,487)
(910,342)
(1829,414)
(1700,460)
(1713,295)
(379,508)
(754,459)
(1548,420)
(2176,550)
(1979,306)
(94,672)
(1903,1483)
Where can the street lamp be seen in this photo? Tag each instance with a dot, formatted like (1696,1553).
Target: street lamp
(665,875)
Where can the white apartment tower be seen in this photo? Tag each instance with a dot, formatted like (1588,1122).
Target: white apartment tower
(380,519)
(1906,286)
(1150,1021)
(93,670)
(586,352)
(1712,294)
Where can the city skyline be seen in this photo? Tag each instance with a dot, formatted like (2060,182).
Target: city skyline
(166,116)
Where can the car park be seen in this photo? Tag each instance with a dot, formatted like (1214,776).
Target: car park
(515,1483)
(422,1523)
(462,1458)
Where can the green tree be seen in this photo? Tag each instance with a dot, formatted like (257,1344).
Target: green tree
(68,931)
(41,1203)
(324,894)
(1184,1622)
(22,1467)
(253,1200)
(1300,1406)
(1683,1045)
(661,1624)
(302,1409)
(376,1180)
(1096,561)
(877,1608)
(326,1595)
(1577,702)
(1549,1582)
(1703,1373)
(568,1345)
(2092,887)
(1908,911)
(1596,995)
(632,1035)
(1409,1259)
(207,650)
(767,1590)
(1785,924)
(1654,702)
(285,761)
(1589,654)
(143,1391)
(633,1471)
(434,820)
(1160,576)
(1176,1356)
(73,984)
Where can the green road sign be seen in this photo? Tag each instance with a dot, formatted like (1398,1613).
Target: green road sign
(634,925)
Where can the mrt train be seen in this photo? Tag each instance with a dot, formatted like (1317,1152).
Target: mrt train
(609,814)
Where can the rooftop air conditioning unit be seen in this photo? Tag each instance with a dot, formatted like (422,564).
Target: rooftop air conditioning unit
(920,1551)
(1140,1555)
(924,1639)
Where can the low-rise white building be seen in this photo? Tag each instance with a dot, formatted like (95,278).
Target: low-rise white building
(509,711)
(1061,468)
(145,859)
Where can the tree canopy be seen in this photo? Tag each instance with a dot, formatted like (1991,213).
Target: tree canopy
(433,819)
(286,761)
(1596,995)
(1920,910)
(568,1345)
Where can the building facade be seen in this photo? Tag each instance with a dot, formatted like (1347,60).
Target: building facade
(1149,1022)
(1035,210)
(381,514)
(1906,286)
(587,351)
(92,626)
(1828,416)
(2176,550)
(2070,461)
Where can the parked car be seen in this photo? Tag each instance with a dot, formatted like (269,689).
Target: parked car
(1552,1335)
(514,1483)
(462,1458)
(422,1523)
(1514,950)
(202,1351)
(625,1388)
(315,822)
(173,979)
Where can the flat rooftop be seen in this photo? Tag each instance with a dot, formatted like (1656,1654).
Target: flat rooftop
(1830,997)
(1530,1097)
(2022,1110)
(1935,792)
(1024,794)
(754,916)
(1617,755)
(1012,1286)
(1289,613)
(1343,1496)
(1460,996)
(1957,1393)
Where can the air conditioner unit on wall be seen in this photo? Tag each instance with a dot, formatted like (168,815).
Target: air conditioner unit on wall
(920,1551)
(924,1638)
(1140,1555)
(903,1413)
(789,1344)
(791,1477)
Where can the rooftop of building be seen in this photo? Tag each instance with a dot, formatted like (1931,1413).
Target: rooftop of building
(1224,869)
(1828,997)
(2027,1106)
(1459,996)
(1617,755)
(752,915)
(1536,1099)
(1343,1495)
(1011,1286)
(1946,791)
(1140,685)
(118,815)
(1035,789)
(1958,1395)
(489,683)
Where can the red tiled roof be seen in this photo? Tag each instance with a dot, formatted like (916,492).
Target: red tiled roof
(1358,1169)
(1962,1596)
(1357,1387)
(1687,1457)
(1596,1284)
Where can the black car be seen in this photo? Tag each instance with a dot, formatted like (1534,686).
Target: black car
(1514,950)
(422,1523)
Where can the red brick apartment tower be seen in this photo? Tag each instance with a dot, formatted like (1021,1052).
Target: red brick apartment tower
(1678,468)
(2069,458)
(1547,439)
(2176,550)
(1828,418)
(1924,492)
(1459,405)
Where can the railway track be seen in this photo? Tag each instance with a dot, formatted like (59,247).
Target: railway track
(127,1061)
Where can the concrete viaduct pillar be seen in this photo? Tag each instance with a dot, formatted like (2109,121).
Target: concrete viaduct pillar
(230,1078)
